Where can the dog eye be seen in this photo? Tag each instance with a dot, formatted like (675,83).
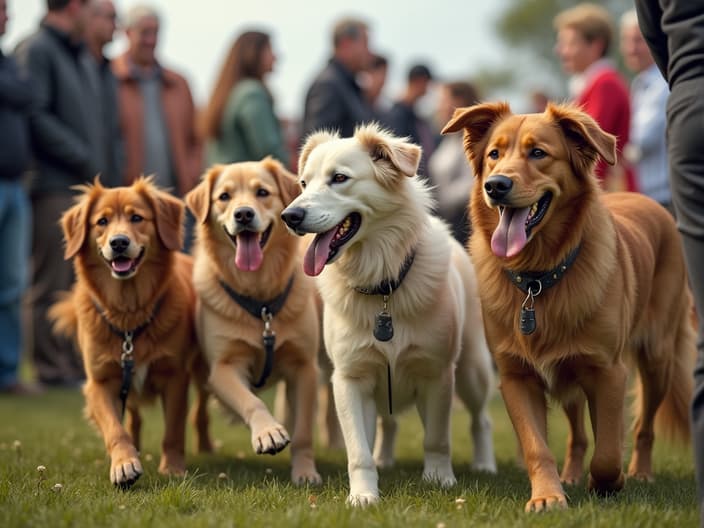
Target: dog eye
(261,192)
(494,154)
(338,177)
(224,197)
(135,218)
(538,153)
(102,221)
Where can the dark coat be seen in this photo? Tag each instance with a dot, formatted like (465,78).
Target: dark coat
(15,99)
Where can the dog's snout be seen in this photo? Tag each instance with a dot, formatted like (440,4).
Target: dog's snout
(244,215)
(497,187)
(119,243)
(293,216)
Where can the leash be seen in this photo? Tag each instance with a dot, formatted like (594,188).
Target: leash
(533,283)
(127,356)
(383,323)
(264,310)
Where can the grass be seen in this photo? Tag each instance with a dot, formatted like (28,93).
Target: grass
(235,487)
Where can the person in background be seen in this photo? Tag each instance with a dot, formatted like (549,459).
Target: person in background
(335,100)
(404,119)
(239,123)
(62,127)
(584,36)
(100,28)
(373,80)
(451,175)
(647,148)
(674,32)
(15,216)
(157,114)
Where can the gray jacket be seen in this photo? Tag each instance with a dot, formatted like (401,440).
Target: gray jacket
(62,120)
(15,100)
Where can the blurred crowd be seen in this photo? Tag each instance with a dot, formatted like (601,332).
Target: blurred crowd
(70,114)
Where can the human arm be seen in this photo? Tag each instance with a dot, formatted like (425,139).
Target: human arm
(15,87)
(260,127)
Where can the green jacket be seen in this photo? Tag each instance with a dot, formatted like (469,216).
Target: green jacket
(249,129)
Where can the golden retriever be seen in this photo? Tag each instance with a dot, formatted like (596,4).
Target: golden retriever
(401,314)
(249,278)
(133,300)
(575,284)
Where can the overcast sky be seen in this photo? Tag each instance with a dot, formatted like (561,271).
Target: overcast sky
(454,37)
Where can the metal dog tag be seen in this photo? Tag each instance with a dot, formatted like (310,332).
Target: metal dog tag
(383,326)
(527,321)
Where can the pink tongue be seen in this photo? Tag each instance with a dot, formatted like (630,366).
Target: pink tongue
(249,254)
(121,265)
(509,238)
(318,252)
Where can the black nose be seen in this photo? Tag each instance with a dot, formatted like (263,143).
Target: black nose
(293,216)
(244,215)
(497,187)
(119,243)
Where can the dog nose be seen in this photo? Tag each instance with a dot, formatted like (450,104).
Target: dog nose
(119,243)
(244,215)
(293,216)
(498,187)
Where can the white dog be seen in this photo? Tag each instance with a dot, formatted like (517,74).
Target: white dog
(401,314)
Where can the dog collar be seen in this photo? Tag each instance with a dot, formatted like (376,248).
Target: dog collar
(264,310)
(387,286)
(533,283)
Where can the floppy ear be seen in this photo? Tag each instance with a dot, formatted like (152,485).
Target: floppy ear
(286,181)
(312,141)
(168,214)
(74,223)
(585,135)
(389,153)
(476,121)
(198,198)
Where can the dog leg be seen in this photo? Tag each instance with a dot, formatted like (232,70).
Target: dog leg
(434,402)
(356,411)
(174,401)
(606,391)
(524,396)
(230,385)
(385,441)
(199,411)
(102,406)
(576,441)
(302,397)
(134,425)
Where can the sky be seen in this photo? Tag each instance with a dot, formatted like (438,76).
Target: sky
(455,38)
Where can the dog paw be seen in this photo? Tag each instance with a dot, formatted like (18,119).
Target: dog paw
(641,476)
(444,479)
(303,477)
(484,467)
(125,470)
(270,440)
(384,461)
(546,503)
(604,488)
(360,500)
(173,465)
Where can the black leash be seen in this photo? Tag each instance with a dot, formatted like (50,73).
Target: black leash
(383,324)
(264,310)
(127,356)
(533,283)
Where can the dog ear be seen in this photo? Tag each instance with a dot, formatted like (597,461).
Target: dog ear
(198,198)
(312,141)
(584,134)
(168,214)
(476,121)
(286,181)
(399,155)
(74,221)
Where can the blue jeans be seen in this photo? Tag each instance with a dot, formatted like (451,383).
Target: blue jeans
(15,235)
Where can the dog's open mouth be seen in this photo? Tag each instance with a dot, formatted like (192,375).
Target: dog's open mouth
(515,226)
(326,246)
(124,267)
(248,247)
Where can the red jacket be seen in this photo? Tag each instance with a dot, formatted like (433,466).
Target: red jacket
(606,98)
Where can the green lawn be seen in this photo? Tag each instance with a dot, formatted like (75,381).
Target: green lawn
(235,487)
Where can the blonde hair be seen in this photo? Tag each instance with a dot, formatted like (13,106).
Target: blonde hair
(592,21)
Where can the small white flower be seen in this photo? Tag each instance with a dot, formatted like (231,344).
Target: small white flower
(41,469)
(460,500)
(58,487)
(222,476)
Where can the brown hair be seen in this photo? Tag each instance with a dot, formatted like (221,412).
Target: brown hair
(243,61)
(348,28)
(592,21)
(464,91)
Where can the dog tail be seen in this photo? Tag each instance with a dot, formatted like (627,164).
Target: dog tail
(63,315)
(672,418)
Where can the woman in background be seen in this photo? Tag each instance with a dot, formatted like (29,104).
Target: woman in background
(239,123)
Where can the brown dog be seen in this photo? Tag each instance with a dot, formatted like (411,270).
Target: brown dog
(257,316)
(133,300)
(574,284)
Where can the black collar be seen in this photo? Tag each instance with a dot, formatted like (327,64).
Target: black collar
(255,307)
(387,286)
(539,281)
